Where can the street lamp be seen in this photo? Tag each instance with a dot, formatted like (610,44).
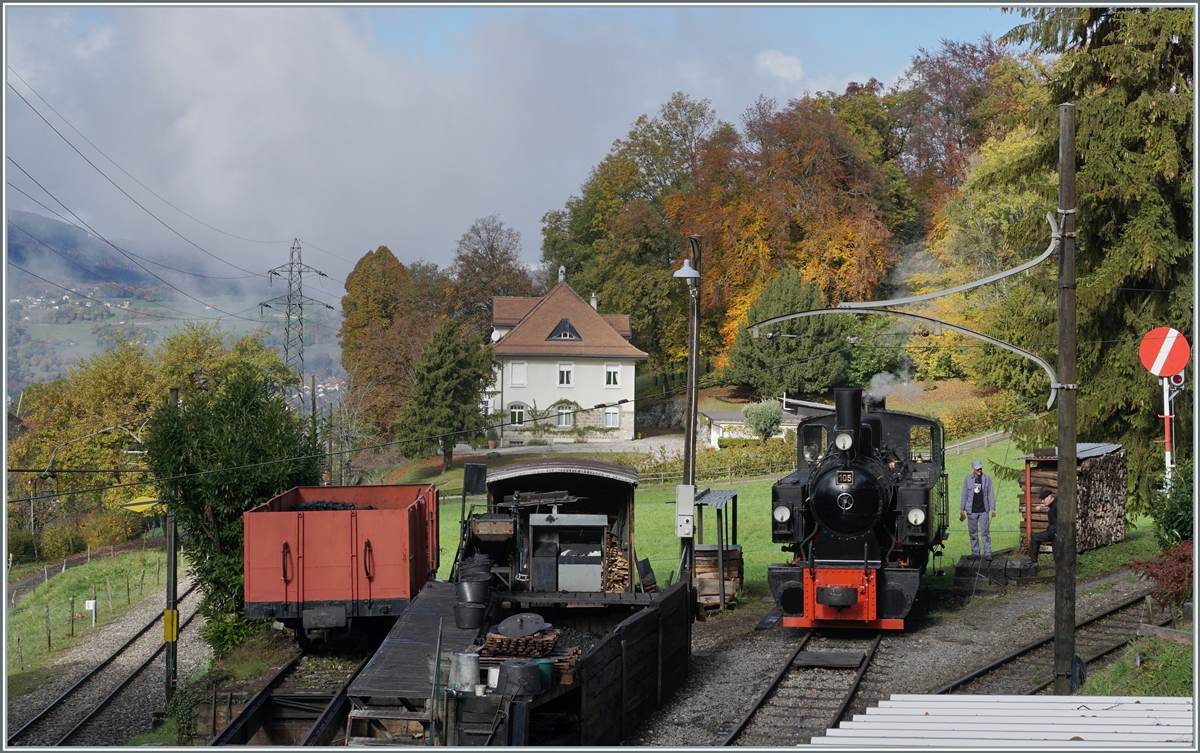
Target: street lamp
(685,494)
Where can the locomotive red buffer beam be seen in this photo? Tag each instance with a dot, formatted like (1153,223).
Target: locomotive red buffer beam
(835,597)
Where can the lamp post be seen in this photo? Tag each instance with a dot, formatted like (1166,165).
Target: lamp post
(685,496)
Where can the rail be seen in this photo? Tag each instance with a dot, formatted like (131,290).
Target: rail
(79,683)
(121,686)
(1043,641)
(242,727)
(322,730)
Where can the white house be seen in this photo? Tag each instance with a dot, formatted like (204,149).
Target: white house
(558,359)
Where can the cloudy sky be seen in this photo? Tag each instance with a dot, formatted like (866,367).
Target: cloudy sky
(352,128)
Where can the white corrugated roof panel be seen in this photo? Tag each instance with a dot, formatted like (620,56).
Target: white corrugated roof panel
(1020,721)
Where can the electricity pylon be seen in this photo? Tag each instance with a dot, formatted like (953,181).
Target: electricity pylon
(293,303)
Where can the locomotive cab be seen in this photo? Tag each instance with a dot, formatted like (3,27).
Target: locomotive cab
(859,516)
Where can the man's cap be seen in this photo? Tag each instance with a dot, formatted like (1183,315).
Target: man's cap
(1045,493)
(977,465)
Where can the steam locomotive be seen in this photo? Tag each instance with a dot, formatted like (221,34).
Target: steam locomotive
(859,517)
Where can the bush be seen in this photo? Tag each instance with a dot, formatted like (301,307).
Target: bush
(1172,512)
(764,418)
(21,545)
(741,442)
(225,632)
(976,417)
(1172,573)
(106,527)
(61,539)
(537,443)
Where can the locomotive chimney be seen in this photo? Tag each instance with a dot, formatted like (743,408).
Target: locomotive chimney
(848,403)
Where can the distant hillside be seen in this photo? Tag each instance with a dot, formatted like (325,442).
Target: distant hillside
(73,244)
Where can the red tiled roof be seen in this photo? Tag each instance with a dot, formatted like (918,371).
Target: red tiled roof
(600,334)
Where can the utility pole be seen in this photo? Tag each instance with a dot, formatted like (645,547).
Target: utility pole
(1064,558)
(685,493)
(171,614)
(293,303)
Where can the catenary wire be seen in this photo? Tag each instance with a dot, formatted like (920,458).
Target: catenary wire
(118,248)
(127,173)
(122,190)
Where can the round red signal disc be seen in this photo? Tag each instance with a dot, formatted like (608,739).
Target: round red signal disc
(1164,351)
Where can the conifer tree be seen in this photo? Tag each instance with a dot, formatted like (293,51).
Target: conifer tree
(443,408)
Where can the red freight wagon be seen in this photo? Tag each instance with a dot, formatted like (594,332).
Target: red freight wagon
(317,557)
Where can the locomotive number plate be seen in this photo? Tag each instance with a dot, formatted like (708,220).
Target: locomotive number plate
(845,477)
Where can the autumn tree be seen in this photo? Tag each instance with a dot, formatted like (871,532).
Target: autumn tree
(802,356)
(444,406)
(487,263)
(373,289)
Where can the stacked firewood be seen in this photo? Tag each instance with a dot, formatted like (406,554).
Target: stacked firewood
(1100,494)
(616,567)
(565,659)
(534,646)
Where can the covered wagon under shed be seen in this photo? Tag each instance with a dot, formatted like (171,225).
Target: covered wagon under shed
(1101,484)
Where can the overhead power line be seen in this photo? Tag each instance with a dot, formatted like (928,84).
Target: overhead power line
(127,173)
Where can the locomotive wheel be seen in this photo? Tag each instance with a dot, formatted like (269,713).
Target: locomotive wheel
(302,639)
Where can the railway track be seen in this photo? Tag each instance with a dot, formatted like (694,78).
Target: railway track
(304,703)
(68,717)
(811,692)
(1030,669)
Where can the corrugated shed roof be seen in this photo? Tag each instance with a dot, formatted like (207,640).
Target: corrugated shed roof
(598,337)
(1083,450)
(1019,721)
(716,498)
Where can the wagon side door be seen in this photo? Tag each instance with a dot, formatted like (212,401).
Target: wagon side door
(271,553)
(325,561)
(382,550)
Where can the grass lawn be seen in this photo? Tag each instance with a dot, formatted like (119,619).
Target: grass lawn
(30,660)
(1147,667)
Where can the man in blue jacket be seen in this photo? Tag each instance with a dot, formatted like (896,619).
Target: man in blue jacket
(977,503)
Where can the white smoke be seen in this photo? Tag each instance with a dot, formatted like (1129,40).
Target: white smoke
(886,384)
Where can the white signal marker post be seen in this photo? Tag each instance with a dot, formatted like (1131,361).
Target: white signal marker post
(1165,353)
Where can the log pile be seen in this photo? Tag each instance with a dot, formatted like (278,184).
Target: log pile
(536,646)
(1100,513)
(707,577)
(565,659)
(616,567)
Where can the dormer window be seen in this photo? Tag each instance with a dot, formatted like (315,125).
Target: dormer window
(565,331)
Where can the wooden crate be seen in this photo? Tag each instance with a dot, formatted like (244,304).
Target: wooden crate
(707,576)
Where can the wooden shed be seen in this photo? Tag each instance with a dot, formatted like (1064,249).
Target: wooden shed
(1100,510)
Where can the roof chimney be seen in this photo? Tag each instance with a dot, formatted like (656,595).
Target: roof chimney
(562,273)
(594,302)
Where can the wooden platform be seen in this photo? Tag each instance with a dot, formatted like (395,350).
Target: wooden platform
(400,668)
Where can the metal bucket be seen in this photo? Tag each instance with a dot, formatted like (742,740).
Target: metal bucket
(474,588)
(469,616)
(520,677)
(464,672)
(475,565)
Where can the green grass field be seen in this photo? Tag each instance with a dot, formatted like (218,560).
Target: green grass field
(654,526)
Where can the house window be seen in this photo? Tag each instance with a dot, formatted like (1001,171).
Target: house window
(516,414)
(566,374)
(612,417)
(565,418)
(517,375)
(612,375)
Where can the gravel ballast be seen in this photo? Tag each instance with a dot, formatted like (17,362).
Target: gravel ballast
(946,637)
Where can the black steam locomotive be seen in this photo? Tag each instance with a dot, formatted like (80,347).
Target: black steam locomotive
(859,517)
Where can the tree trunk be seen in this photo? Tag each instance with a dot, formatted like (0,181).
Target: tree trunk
(447,454)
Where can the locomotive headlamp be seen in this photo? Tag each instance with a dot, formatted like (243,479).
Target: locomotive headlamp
(782,514)
(844,441)
(916,516)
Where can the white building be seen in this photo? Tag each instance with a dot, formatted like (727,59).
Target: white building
(559,358)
